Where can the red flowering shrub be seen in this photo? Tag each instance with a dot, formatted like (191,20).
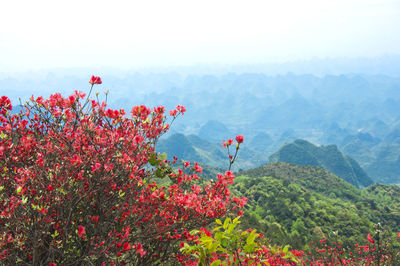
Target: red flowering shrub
(78,185)
(379,250)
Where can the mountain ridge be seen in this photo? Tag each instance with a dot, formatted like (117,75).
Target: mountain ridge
(329,157)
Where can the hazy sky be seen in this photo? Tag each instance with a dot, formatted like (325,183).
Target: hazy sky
(125,34)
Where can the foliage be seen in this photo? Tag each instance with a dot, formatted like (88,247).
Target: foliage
(78,185)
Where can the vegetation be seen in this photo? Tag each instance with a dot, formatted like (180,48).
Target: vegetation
(301,204)
(82,184)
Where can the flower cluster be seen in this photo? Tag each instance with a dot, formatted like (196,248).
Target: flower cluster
(95,80)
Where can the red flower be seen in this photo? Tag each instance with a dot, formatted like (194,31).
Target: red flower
(239,138)
(181,109)
(138,139)
(297,253)
(173,112)
(5,101)
(369,237)
(81,231)
(126,246)
(139,249)
(205,231)
(95,80)
(71,99)
(198,168)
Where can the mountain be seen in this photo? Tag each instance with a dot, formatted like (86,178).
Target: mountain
(297,204)
(261,142)
(195,149)
(328,157)
(214,131)
(386,166)
(358,112)
(380,157)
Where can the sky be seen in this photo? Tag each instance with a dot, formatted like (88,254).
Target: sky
(45,34)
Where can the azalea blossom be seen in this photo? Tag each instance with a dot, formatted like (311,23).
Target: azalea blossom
(239,138)
(81,231)
(369,237)
(95,80)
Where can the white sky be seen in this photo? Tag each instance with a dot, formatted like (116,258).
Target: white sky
(37,34)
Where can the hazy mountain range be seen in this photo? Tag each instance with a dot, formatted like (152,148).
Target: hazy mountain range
(350,103)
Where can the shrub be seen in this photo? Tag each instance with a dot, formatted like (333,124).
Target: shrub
(380,249)
(78,185)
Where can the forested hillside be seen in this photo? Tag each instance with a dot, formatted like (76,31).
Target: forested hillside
(301,204)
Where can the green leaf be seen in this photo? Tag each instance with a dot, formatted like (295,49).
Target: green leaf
(218,235)
(194,232)
(217,228)
(216,262)
(218,221)
(285,249)
(24,200)
(225,242)
(19,189)
(226,223)
(230,228)
(249,248)
(163,156)
(206,239)
(153,160)
(250,239)
(55,234)
(236,220)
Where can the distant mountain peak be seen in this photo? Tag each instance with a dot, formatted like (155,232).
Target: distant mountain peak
(329,157)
